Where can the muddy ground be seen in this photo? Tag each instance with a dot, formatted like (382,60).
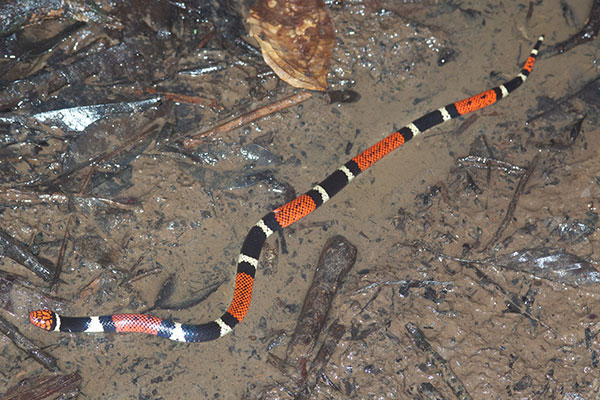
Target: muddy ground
(435,305)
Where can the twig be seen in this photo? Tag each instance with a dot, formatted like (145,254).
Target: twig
(183,98)
(16,196)
(559,102)
(487,163)
(251,116)
(27,346)
(588,33)
(438,362)
(103,157)
(19,252)
(330,344)
(513,203)
(336,259)
(466,124)
(61,254)
(133,276)
(206,39)
(418,283)
(45,387)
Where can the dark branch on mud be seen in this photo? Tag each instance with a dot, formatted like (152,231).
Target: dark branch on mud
(513,203)
(19,252)
(588,33)
(437,361)
(28,346)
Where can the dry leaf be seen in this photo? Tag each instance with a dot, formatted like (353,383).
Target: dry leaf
(296,38)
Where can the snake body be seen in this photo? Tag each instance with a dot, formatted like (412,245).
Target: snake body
(277,220)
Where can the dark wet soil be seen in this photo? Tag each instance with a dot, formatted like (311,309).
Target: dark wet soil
(439,304)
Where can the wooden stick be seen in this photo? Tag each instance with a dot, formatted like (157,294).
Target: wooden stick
(513,204)
(251,116)
(27,346)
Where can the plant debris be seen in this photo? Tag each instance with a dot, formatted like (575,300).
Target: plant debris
(65,386)
(296,38)
(23,343)
(19,252)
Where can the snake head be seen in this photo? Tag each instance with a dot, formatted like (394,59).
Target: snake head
(44,319)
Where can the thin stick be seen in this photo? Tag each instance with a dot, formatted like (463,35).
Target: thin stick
(513,203)
(23,343)
(251,116)
(27,197)
(438,363)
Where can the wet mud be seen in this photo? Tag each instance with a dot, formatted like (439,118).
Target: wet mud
(476,273)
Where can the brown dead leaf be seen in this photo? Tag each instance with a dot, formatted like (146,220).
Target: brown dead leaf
(296,38)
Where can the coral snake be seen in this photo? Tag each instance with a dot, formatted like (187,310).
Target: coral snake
(276,220)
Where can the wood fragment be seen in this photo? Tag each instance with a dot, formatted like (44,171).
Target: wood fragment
(17,14)
(588,33)
(251,116)
(466,124)
(61,254)
(438,362)
(28,346)
(206,39)
(334,335)
(337,258)
(489,163)
(559,102)
(302,369)
(513,203)
(19,252)
(529,12)
(48,81)
(29,197)
(44,387)
(182,98)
